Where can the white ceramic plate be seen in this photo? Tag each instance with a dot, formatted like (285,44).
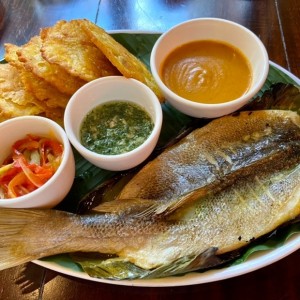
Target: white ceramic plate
(256,261)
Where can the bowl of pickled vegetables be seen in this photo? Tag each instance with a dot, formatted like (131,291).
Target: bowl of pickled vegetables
(37,165)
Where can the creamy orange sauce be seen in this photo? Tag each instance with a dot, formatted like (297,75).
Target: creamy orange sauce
(207,71)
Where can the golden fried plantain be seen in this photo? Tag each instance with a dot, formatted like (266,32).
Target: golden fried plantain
(11,55)
(37,92)
(41,75)
(14,99)
(68,46)
(30,55)
(12,58)
(13,76)
(129,65)
(43,91)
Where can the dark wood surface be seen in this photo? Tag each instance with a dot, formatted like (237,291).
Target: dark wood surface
(276,22)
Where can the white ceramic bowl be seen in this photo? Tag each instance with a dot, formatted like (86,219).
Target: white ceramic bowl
(108,89)
(211,29)
(57,187)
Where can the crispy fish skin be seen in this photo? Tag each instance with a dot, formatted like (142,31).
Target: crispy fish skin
(253,204)
(212,156)
(227,220)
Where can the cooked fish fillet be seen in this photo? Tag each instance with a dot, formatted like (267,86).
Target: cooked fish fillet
(253,157)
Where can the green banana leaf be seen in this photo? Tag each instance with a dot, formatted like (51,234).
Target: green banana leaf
(89,177)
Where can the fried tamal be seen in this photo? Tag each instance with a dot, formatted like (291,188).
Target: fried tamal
(68,46)
(129,65)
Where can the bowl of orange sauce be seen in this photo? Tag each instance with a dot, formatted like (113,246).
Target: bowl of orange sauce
(209,67)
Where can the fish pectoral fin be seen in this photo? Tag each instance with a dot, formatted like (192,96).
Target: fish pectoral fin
(169,206)
(134,206)
(140,208)
(137,207)
(204,260)
(144,208)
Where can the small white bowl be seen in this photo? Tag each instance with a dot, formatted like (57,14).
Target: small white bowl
(57,187)
(211,29)
(109,89)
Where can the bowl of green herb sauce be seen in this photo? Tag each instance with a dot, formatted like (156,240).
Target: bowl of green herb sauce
(114,122)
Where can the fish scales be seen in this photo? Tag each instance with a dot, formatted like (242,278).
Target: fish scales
(224,220)
(262,193)
(209,153)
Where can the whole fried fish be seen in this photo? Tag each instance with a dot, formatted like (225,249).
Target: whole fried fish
(214,156)
(228,183)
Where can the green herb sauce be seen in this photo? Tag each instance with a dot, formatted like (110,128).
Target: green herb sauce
(115,127)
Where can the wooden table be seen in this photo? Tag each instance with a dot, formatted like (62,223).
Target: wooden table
(276,22)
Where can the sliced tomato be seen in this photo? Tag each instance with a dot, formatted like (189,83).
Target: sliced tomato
(20,174)
(19,186)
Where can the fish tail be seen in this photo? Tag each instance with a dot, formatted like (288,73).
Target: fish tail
(21,235)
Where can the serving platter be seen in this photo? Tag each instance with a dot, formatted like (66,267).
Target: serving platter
(140,43)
